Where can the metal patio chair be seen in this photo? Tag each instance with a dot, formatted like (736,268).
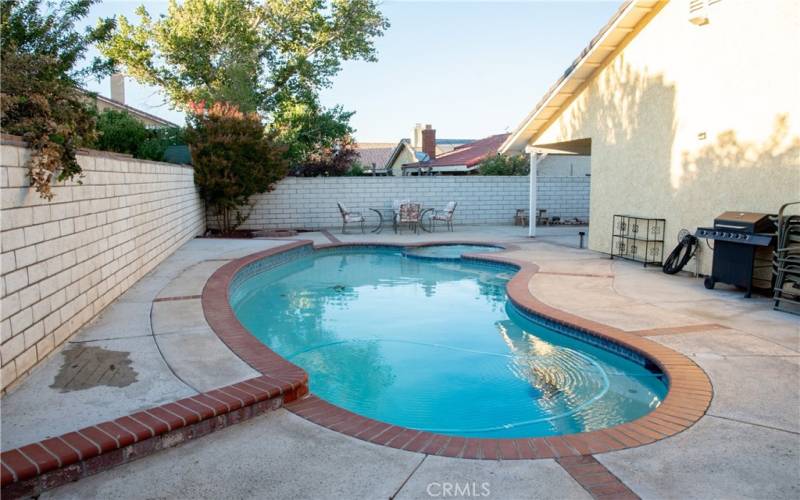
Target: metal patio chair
(349,217)
(396,212)
(445,216)
(409,214)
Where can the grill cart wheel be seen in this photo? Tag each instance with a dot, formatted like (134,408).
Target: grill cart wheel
(709,282)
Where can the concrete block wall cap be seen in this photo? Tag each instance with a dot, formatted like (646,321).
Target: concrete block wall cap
(686,402)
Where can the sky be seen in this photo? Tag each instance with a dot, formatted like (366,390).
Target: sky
(469,68)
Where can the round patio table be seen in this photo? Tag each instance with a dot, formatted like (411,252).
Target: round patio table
(383,214)
(429,212)
(389,213)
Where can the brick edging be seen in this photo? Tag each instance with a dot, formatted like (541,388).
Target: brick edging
(595,478)
(34,468)
(687,400)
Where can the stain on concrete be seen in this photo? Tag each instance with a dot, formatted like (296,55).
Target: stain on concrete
(87,367)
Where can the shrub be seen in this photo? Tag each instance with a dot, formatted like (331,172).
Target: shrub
(154,147)
(122,133)
(233,159)
(505,165)
(356,169)
(39,51)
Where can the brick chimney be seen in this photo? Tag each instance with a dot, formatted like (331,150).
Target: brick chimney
(118,87)
(429,142)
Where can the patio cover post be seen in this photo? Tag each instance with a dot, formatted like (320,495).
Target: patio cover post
(534,153)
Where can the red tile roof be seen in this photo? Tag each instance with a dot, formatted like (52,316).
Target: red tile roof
(469,154)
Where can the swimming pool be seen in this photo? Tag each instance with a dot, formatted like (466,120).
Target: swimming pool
(436,346)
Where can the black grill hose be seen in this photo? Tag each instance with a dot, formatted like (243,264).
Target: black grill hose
(680,256)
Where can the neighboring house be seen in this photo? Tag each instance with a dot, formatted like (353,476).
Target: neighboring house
(411,150)
(686,109)
(374,155)
(463,159)
(117,103)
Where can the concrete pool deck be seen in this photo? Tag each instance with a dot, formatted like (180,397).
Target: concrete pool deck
(745,447)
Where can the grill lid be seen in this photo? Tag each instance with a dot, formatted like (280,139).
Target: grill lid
(753,222)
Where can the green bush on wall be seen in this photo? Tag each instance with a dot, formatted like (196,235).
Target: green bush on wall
(122,133)
(505,165)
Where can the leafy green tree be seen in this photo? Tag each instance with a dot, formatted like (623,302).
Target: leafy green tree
(257,55)
(40,50)
(308,129)
(269,56)
(233,160)
(505,165)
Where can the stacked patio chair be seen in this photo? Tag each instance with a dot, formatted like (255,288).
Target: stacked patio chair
(350,217)
(786,262)
(542,219)
(409,214)
(521,217)
(445,216)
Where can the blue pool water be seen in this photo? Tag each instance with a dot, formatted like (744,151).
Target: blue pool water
(436,346)
(450,251)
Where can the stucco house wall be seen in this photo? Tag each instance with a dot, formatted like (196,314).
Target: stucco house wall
(688,121)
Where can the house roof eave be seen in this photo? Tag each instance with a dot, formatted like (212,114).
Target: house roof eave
(616,33)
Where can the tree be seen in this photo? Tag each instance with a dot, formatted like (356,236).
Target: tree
(334,160)
(233,159)
(505,165)
(308,130)
(257,55)
(271,56)
(41,100)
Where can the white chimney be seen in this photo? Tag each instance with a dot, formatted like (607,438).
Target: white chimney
(416,136)
(118,87)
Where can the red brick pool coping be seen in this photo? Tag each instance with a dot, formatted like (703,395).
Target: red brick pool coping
(31,469)
(689,395)
(37,467)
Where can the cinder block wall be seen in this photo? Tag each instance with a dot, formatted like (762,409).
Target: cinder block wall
(565,197)
(311,202)
(63,261)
